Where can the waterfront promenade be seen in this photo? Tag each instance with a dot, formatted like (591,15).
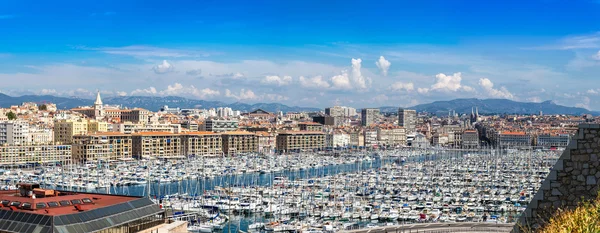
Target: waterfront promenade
(439,228)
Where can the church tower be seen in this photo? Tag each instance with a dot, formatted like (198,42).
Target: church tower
(98,108)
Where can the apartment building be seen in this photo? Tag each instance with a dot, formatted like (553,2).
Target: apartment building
(34,154)
(266,141)
(201,143)
(221,125)
(14,132)
(310,126)
(300,140)
(553,140)
(514,139)
(104,146)
(64,130)
(163,145)
(239,142)
(470,139)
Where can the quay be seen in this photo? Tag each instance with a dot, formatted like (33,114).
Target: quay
(439,228)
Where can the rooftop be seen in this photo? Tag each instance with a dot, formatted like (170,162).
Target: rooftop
(513,133)
(164,133)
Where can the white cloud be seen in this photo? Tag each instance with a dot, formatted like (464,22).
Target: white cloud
(243,95)
(276,97)
(447,82)
(147,91)
(341,81)
(399,86)
(588,41)
(383,65)
(178,89)
(422,90)
(585,103)
(534,99)
(164,67)
(121,93)
(357,77)
(236,75)
(276,80)
(315,82)
(488,86)
(380,98)
(593,91)
(468,88)
(147,51)
(596,56)
(48,92)
(194,72)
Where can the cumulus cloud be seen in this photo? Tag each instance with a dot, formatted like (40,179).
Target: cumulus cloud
(178,89)
(121,93)
(488,86)
(276,80)
(341,81)
(399,86)
(243,95)
(383,65)
(359,81)
(163,68)
(314,82)
(593,91)
(447,82)
(585,103)
(422,90)
(147,91)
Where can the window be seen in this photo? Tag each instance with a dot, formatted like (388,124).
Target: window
(76,201)
(26,205)
(64,203)
(5,203)
(86,200)
(40,205)
(15,203)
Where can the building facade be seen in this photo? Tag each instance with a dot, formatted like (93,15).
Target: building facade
(310,126)
(14,132)
(105,147)
(202,143)
(28,154)
(369,116)
(239,142)
(300,140)
(408,119)
(162,145)
(514,139)
(557,140)
(470,139)
(221,125)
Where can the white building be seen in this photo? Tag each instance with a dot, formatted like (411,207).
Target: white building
(340,140)
(14,132)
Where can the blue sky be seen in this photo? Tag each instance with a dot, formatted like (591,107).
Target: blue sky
(309,53)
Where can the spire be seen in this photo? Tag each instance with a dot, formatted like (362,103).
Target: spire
(477,111)
(472,111)
(98,99)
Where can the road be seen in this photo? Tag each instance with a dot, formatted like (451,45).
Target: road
(439,227)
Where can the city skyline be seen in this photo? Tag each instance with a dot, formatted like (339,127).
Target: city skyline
(306,54)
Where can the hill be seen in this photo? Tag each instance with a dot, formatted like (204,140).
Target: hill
(499,106)
(148,102)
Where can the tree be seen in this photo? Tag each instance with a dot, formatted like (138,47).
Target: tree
(43,107)
(11,115)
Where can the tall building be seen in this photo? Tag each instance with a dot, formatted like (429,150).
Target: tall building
(408,119)
(14,132)
(368,116)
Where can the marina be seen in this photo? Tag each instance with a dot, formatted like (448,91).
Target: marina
(318,191)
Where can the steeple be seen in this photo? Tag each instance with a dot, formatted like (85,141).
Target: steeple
(98,100)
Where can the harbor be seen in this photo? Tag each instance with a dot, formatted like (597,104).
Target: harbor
(318,191)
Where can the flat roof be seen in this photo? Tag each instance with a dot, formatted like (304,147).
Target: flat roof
(98,201)
(162,133)
(300,132)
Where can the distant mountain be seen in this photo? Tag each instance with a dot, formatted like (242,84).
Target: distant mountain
(148,102)
(499,106)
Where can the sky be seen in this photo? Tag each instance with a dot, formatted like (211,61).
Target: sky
(305,53)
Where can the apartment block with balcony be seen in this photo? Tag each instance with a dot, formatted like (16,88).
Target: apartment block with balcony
(105,146)
(239,142)
(514,139)
(163,145)
(34,154)
(300,140)
(201,143)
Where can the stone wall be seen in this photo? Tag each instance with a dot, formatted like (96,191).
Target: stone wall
(573,178)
